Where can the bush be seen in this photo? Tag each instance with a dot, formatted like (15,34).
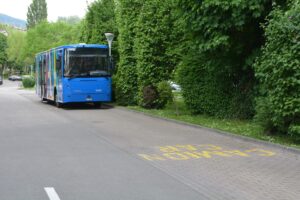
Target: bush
(278,69)
(28,81)
(264,114)
(165,94)
(157,96)
(294,130)
(150,96)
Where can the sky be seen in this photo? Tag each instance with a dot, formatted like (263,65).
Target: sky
(56,8)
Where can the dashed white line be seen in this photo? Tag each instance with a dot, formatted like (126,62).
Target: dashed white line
(51,193)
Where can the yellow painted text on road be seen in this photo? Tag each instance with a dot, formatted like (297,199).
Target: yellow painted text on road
(202,151)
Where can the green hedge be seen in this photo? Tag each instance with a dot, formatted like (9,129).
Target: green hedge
(223,40)
(145,32)
(126,87)
(151,44)
(28,81)
(278,71)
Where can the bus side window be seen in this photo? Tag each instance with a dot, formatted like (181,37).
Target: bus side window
(40,70)
(43,69)
(58,63)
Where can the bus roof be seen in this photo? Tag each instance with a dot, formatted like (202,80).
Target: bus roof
(80,45)
(101,46)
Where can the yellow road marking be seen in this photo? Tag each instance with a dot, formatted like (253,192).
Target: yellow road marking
(207,151)
(261,152)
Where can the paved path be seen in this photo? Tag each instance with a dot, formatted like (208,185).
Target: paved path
(82,153)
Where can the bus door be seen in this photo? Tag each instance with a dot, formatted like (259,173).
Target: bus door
(43,77)
(40,75)
(59,73)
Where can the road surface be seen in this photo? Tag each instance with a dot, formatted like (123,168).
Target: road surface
(82,153)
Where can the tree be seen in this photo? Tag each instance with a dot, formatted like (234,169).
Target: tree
(16,42)
(37,12)
(99,19)
(48,35)
(3,56)
(278,70)
(72,20)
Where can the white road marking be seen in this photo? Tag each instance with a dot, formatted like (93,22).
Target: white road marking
(51,193)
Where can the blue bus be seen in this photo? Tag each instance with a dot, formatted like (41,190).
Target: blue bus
(79,73)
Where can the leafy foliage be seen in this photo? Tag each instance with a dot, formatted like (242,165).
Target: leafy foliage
(223,40)
(28,81)
(3,55)
(278,69)
(264,114)
(37,12)
(48,35)
(157,96)
(151,44)
(99,19)
(126,87)
(149,97)
(165,94)
(15,42)
(72,20)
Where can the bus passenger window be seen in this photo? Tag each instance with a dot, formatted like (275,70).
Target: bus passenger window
(58,64)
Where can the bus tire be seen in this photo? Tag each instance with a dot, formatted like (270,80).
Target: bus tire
(57,104)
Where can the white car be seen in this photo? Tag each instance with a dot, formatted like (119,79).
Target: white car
(175,86)
(15,78)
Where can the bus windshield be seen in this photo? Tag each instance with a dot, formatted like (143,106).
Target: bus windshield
(86,62)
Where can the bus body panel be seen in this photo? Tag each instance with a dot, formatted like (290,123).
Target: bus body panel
(87,90)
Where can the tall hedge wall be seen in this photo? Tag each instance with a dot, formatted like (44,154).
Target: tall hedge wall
(126,85)
(278,70)
(153,37)
(223,40)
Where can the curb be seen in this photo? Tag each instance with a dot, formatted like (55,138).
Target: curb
(231,135)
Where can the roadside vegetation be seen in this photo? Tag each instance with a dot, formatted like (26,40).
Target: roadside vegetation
(178,111)
(237,62)
(28,81)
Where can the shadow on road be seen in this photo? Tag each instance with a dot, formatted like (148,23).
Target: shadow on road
(82,106)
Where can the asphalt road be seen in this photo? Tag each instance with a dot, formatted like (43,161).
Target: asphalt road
(82,153)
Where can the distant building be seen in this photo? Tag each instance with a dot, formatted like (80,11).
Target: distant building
(19,28)
(4,32)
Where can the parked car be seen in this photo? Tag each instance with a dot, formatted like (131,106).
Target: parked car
(15,78)
(1,80)
(175,86)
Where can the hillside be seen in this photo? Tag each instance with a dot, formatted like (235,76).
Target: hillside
(5,19)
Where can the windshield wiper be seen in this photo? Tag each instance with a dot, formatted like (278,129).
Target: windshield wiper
(99,73)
